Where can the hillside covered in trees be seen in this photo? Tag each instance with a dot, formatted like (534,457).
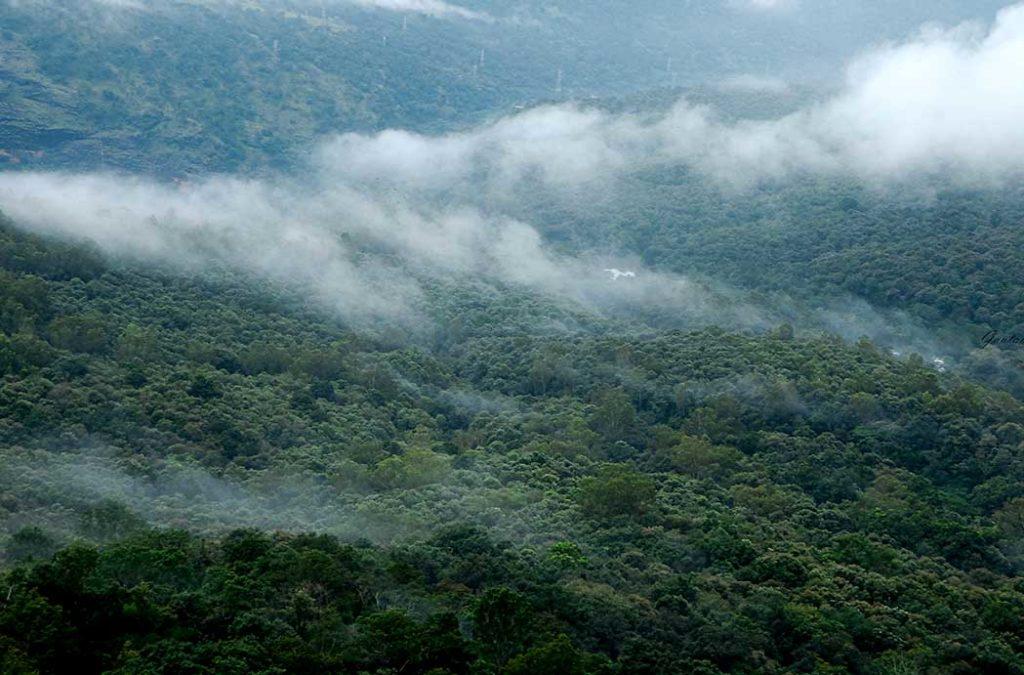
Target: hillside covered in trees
(511,338)
(609,501)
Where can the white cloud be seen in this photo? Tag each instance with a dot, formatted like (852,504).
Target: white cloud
(949,101)
(436,8)
(763,5)
(754,83)
(296,235)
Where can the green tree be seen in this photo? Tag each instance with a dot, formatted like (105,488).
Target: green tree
(503,624)
(614,416)
(86,333)
(558,657)
(616,490)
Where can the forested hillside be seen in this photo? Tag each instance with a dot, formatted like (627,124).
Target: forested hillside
(609,501)
(948,256)
(532,338)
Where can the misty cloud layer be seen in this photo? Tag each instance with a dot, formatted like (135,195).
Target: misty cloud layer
(359,253)
(764,5)
(374,214)
(434,8)
(949,102)
(429,7)
(54,488)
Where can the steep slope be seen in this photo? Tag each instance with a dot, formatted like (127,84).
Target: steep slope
(823,504)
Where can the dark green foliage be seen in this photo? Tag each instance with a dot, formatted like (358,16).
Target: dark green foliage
(85,333)
(951,262)
(203,387)
(30,543)
(665,502)
(108,520)
(209,475)
(616,490)
(557,657)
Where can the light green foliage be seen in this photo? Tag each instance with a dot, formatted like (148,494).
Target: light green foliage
(566,555)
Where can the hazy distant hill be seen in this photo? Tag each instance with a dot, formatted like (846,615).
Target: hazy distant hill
(215,85)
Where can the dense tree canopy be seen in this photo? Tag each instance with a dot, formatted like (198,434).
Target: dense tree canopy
(494,501)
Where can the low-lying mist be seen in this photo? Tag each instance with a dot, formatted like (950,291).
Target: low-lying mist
(433,8)
(371,216)
(54,489)
(945,105)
